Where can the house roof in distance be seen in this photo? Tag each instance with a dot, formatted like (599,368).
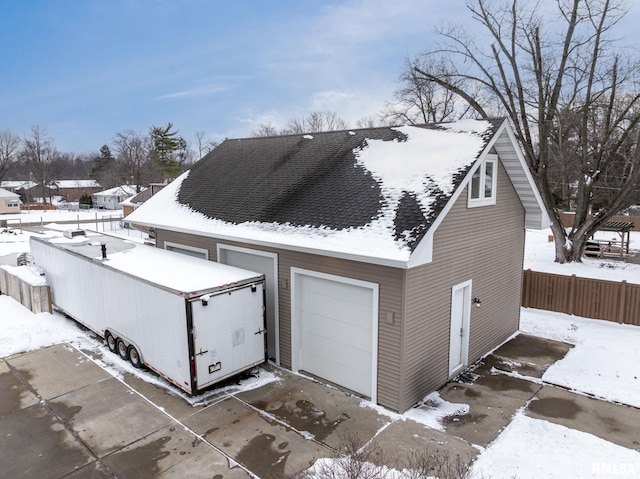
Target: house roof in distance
(8,194)
(370,193)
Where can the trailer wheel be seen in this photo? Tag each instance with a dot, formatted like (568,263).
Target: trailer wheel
(111,342)
(134,357)
(123,352)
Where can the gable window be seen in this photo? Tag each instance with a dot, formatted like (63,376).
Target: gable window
(13,203)
(482,189)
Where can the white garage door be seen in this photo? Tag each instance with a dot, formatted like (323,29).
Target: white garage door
(336,327)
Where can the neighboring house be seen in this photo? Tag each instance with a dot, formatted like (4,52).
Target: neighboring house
(393,256)
(16,185)
(110,199)
(72,190)
(9,202)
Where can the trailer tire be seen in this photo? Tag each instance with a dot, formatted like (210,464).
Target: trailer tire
(112,344)
(134,357)
(123,352)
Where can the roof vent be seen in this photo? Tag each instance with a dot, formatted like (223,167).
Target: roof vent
(73,233)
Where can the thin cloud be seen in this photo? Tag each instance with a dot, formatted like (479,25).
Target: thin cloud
(195,92)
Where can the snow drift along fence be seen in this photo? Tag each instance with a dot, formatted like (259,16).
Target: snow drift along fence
(37,298)
(586,297)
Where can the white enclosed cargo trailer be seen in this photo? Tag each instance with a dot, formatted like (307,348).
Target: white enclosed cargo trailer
(194,322)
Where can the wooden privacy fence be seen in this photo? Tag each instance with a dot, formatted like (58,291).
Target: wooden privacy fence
(37,298)
(587,297)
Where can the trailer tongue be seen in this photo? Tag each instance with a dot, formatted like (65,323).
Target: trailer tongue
(194,322)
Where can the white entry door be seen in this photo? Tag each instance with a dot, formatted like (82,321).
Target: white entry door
(459,337)
(334,328)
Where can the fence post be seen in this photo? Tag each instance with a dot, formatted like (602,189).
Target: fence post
(622,302)
(572,295)
(525,288)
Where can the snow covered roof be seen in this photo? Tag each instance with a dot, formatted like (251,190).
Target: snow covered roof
(16,184)
(123,190)
(183,274)
(370,194)
(8,194)
(138,199)
(76,183)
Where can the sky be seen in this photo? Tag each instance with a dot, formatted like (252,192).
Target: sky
(86,69)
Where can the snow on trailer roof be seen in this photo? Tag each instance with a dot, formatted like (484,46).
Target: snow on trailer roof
(184,274)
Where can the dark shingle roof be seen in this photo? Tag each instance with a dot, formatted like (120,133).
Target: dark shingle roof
(298,181)
(288,179)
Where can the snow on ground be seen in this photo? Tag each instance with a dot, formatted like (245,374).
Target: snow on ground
(605,361)
(533,448)
(539,255)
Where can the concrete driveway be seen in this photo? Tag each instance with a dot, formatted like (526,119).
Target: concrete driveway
(63,415)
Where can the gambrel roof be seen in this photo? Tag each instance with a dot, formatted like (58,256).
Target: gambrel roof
(371,193)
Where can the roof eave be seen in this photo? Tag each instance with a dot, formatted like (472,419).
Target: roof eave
(377,260)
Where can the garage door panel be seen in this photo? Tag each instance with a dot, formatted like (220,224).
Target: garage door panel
(352,357)
(347,311)
(336,330)
(333,289)
(356,381)
(339,331)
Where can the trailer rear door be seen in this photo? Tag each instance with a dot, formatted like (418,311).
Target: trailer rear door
(228,333)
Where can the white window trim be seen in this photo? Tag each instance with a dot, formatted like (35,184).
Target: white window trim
(176,247)
(482,201)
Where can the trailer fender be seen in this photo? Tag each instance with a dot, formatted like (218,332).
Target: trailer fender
(124,347)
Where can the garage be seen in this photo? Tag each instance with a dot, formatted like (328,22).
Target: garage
(334,329)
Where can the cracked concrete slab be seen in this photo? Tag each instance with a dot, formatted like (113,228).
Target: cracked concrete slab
(108,415)
(267,447)
(328,414)
(172,452)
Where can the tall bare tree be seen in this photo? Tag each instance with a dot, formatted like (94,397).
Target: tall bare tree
(203,144)
(41,158)
(558,74)
(133,153)
(420,101)
(9,147)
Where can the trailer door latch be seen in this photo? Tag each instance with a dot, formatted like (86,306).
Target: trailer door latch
(260,331)
(202,352)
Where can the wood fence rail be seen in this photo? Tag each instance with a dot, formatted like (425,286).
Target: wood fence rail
(586,297)
(36,298)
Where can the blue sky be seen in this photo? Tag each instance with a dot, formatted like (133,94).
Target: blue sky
(86,69)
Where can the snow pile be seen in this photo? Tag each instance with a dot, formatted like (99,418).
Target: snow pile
(24,331)
(29,274)
(532,448)
(605,361)
(432,409)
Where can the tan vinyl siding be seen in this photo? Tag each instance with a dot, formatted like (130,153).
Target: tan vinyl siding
(485,245)
(390,301)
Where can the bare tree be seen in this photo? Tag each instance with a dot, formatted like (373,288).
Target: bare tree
(265,128)
(41,159)
(9,146)
(133,153)
(315,122)
(204,145)
(419,101)
(557,74)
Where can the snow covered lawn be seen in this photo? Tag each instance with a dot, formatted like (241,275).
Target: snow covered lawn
(605,362)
